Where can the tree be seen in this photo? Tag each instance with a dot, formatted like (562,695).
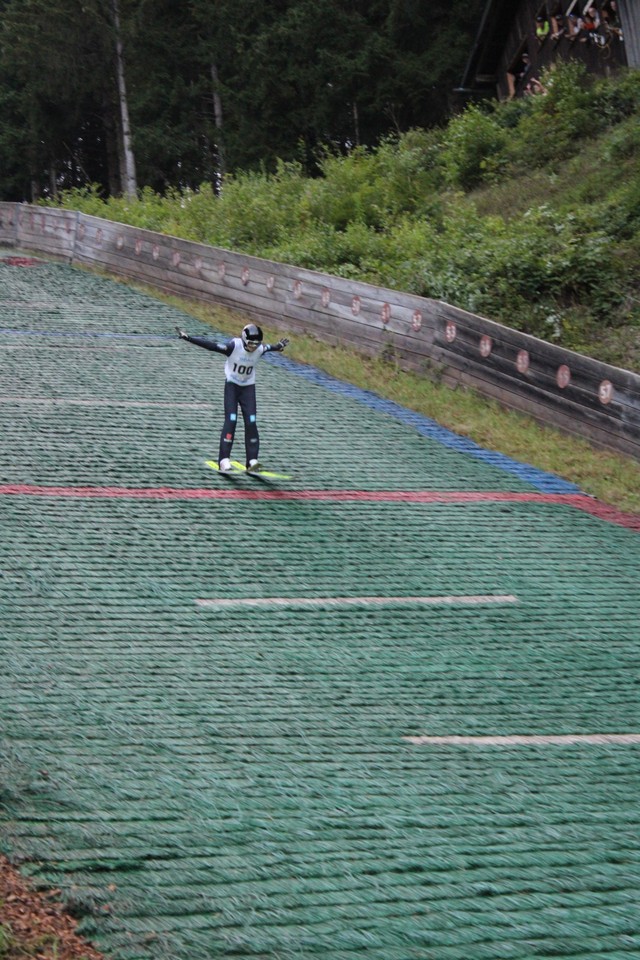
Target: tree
(58,71)
(296,75)
(44,51)
(128,159)
(213,85)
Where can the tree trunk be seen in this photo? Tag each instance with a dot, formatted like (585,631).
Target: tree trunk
(112,145)
(129,184)
(217,119)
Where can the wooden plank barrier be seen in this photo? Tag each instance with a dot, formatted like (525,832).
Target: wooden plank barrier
(8,224)
(577,394)
(51,231)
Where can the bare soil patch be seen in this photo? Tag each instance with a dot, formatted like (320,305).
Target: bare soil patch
(35,925)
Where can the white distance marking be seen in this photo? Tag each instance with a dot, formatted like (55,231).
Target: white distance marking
(522,740)
(475,600)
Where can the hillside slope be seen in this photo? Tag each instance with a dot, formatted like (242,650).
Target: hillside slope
(526,212)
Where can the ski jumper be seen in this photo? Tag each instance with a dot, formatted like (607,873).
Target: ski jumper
(239,391)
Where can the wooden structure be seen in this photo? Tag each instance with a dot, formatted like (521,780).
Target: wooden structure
(507,30)
(575,393)
(630,17)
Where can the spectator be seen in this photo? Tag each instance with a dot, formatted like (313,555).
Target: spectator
(592,12)
(610,10)
(611,18)
(535,86)
(517,73)
(542,28)
(590,24)
(574,26)
(557,25)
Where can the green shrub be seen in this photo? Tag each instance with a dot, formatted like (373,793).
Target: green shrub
(255,209)
(87,199)
(525,273)
(474,149)
(622,210)
(624,142)
(409,172)
(553,127)
(312,246)
(618,97)
(348,191)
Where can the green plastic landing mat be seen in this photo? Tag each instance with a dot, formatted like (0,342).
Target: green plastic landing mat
(229,709)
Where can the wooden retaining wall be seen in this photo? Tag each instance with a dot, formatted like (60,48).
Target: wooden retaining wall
(567,390)
(8,224)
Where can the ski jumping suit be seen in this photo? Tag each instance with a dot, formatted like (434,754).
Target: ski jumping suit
(239,389)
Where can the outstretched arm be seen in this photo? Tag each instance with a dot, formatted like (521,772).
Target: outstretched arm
(214,345)
(279,346)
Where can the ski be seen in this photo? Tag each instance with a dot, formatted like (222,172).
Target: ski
(239,468)
(227,473)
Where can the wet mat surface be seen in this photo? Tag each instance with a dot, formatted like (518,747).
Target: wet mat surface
(216,781)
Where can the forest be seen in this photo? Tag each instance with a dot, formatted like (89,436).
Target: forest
(129,94)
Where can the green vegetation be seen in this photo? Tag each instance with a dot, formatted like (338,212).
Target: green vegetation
(6,940)
(35,947)
(212,86)
(22,947)
(527,212)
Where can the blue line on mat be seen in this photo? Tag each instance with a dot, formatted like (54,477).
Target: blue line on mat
(540,479)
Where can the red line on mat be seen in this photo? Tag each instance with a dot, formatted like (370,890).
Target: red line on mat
(580,501)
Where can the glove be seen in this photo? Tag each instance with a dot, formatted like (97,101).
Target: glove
(182,334)
(282,343)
